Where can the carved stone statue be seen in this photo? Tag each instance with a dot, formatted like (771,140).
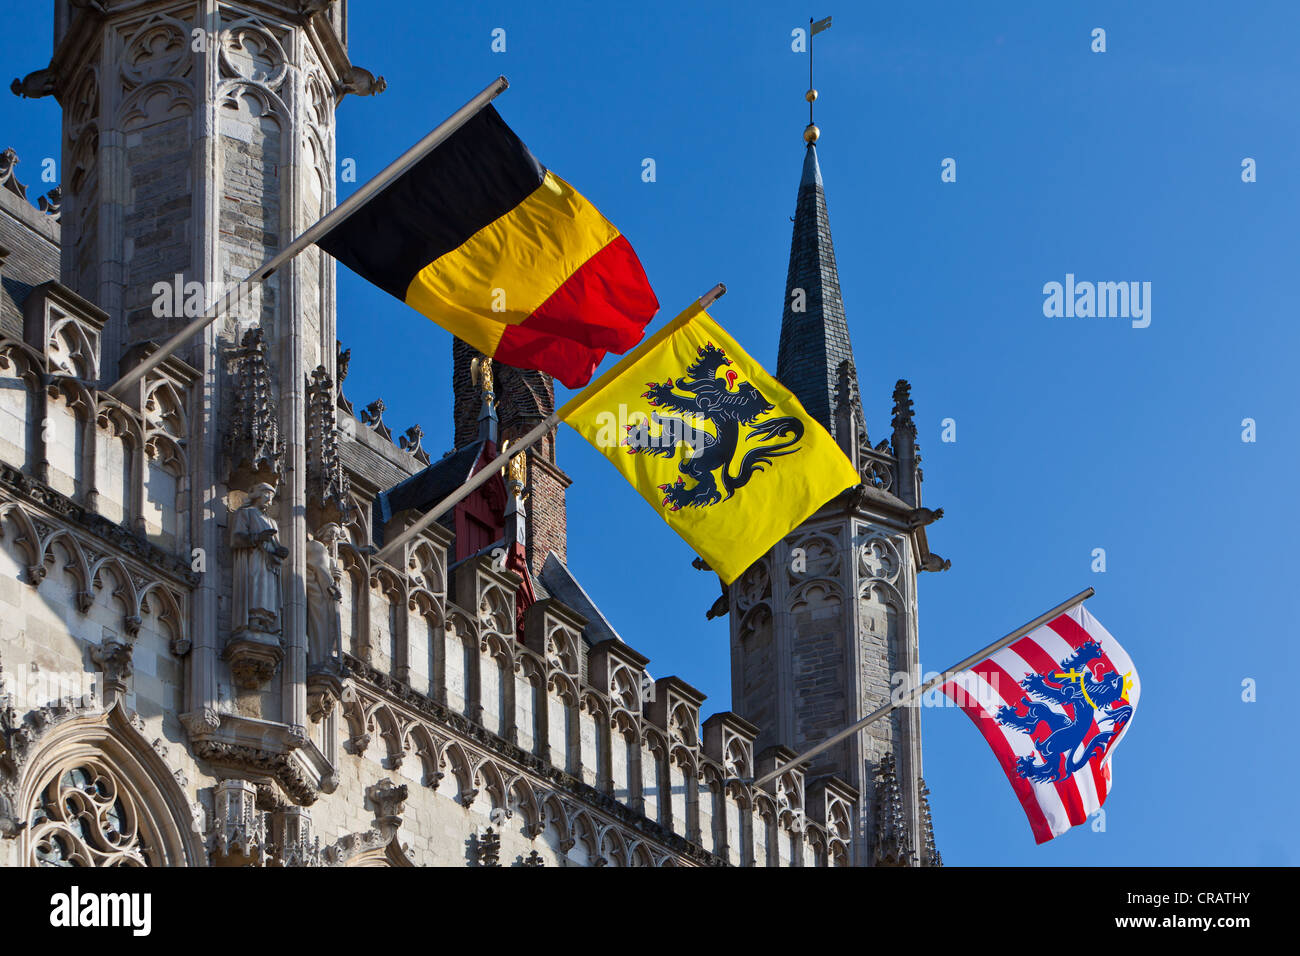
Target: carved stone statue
(362,82)
(257,557)
(323,596)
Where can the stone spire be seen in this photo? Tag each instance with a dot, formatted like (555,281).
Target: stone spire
(814,330)
(823,625)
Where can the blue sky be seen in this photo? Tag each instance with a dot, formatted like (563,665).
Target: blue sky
(1072,434)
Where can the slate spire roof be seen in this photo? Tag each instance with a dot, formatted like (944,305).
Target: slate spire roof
(816,340)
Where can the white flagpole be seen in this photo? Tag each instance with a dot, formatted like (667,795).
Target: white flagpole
(335,216)
(915,692)
(482,477)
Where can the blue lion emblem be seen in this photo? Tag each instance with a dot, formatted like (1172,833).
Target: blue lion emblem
(1061,714)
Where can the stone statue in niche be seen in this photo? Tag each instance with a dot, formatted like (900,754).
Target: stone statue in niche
(323,596)
(257,558)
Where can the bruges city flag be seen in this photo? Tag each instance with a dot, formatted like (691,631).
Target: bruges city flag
(1054,706)
(481,238)
(722,451)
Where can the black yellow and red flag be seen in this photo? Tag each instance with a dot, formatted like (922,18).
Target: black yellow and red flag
(719,448)
(487,242)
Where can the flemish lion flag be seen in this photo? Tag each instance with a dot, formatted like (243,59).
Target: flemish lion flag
(718,447)
(481,238)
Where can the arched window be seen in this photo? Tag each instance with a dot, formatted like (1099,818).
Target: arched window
(83,816)
(96,793)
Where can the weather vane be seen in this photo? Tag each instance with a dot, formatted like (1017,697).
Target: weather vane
(812,132)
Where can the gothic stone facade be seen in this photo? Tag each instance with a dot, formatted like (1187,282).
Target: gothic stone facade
(205,663)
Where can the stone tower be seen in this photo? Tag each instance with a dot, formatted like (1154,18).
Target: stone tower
(523,398)
(198,139)
(195,615)
(826,622)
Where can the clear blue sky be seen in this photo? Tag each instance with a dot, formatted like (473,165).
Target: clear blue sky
(1072,434)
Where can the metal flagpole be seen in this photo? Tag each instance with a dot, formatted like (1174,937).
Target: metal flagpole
(482,477)
(915,692)
(335,216)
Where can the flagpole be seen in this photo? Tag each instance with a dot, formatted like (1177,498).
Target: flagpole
(915,692)
(384,178)
(387,552)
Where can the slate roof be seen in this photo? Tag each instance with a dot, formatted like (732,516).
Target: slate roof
(32,239)
(813,342)
(426,488)
(564,587)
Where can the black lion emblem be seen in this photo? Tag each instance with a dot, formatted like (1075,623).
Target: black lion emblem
(708,458)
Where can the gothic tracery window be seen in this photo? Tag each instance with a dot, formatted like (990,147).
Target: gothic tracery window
(84,817)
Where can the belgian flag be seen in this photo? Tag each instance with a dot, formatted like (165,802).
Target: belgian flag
(486,241)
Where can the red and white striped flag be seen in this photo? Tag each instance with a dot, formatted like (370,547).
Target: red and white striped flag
(1053,705)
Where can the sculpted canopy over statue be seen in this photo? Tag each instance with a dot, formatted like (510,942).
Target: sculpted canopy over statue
(257,557)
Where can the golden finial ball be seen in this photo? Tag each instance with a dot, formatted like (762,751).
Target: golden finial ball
(810,134)
(810,96)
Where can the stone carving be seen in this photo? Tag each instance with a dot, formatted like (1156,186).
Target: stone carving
(91,807)
(934,562)
(893,843)
(754,586)
(329,493)
(878,560)
(256,451)
(257,557)
(388,799)
(113,657)
(255,650)
(342,360)
(877,467)
(487,848)
(239,828)
(906,448)
(323,596)
(361,82)
(250,51)
(932,855)
(36,84)
(134,590)
(9,175)
(85,817)
(850,425)
(410,443)
(52,203)
(292,840)
(815,554)
(158,50)
(373,702)
(902,420)
(372,416)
